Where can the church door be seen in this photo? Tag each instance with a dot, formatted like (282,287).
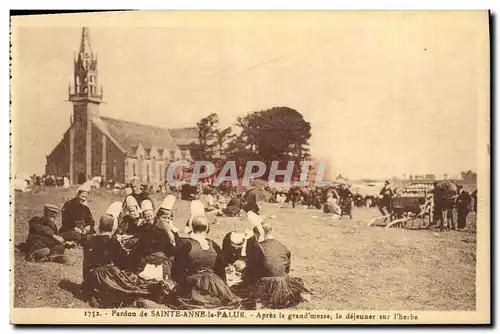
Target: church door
(81,178)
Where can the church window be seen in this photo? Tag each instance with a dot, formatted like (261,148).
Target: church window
(133,167)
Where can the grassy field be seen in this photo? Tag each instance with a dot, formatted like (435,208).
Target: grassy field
(348,265)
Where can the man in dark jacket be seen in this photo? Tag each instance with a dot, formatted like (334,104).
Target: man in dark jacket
(463,203)
(385,200)
(77,221)
(43,242)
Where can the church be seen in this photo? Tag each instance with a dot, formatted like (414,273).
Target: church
(114,149)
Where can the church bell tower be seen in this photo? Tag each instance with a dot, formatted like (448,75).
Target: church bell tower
(84,95)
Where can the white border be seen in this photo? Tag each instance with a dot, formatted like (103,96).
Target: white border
(189,4)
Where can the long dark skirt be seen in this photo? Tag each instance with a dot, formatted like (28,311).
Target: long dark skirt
(113,287)
(204,290)
(278,292)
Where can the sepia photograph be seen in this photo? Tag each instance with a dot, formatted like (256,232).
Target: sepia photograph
(259,167)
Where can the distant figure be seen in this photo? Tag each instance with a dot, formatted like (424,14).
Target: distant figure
(439,199)
(234,206)
(473,196)
(294,196)
(385,199)
(346,197)
(463,203)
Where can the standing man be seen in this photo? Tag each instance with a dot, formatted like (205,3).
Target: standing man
(385,199)
(463,203)
(346,196)
(438,199)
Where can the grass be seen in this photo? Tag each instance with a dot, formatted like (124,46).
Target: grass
(348,265)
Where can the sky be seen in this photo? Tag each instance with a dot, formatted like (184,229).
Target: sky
(386,94)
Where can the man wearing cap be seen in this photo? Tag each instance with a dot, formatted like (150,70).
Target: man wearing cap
(43,242)
(77,221)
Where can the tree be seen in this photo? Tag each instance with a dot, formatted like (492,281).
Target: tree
(469,175)
(276,134)
(211,140)
(221,140)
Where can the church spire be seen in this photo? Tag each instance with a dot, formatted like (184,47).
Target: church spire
(85,71)
(85,47)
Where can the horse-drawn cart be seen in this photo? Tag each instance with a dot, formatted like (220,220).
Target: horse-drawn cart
(413,201)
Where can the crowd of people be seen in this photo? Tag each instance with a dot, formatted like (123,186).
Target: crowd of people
(336,199)
(135,256)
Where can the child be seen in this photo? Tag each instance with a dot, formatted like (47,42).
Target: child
(234,272)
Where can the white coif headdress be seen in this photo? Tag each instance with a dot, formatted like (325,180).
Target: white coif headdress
(256,221)
(197,209)
(114,211)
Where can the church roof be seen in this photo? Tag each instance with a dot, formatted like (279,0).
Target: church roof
(184,136)
(128,135)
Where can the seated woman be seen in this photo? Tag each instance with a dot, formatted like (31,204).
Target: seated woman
(131,217)
(197,208)
(234,253)
(77,220)
(43,242)
(105,281)
(234,206)
(232,248)
(198,271)
(212,205)
(331,205)
(267,272)
(157,241)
